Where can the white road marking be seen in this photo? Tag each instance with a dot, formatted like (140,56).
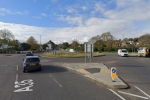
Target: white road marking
(133,95)
(16,78)
(17,67)
(70,68)
(117,94)
(28,82)
(56,81)
(142,91)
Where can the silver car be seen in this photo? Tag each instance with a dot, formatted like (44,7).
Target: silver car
(31,63)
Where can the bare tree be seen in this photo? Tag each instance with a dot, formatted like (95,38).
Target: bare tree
(108,38)
(6,35)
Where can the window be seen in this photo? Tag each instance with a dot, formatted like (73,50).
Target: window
(32,60)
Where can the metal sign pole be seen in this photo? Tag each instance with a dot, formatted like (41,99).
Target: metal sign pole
(85,51)
(90,52)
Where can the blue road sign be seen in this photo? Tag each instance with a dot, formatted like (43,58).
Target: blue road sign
(113,71)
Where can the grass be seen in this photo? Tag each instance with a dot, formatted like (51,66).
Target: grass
(71,55)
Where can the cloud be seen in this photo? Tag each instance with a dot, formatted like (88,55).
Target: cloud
(54,0)
(119,20)
(71,10)
(116,27)
(71,20)
(98,7)
(2,14)
(84,8)
(43,14)
(6,11)
(36,17)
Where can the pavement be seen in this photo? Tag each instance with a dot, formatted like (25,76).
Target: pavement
(97,72)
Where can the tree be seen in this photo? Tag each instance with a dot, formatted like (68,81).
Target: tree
(74,44)
(6,36)
(15,43)
(25,46)
(65,45)
(94,39)
(44,46)
(125,40)
(108,38)
(144,40)
(118,43)
(135,40)
(130,39)
(33,43)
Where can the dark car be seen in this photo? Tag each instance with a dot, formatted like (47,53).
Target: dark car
(29,54)
(31,63)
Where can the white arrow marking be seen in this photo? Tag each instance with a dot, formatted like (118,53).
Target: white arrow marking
(133,95)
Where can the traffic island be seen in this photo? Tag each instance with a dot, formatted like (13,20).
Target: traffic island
(97,72)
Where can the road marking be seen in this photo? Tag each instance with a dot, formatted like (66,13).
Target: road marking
(16,78)
(133,95)
(17,67)
(28,82)
(117,94)
(56,81)
(142,91)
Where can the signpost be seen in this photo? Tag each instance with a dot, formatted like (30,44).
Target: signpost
(133,48)
(113,74)
(88,48)
(5,46)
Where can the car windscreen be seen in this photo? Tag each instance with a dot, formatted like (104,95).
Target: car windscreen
(29,53)
(124,51)
(141,49)
(32,60)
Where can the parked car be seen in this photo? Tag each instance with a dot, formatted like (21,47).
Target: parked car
(29,54)
(123,52)
(31,63)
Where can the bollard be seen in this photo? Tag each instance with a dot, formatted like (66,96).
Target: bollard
(113,73)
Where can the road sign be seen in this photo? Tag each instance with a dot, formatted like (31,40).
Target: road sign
(4,45)
(88,47)
(113,74)
(133,47)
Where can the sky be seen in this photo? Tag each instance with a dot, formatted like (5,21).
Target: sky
(65,20)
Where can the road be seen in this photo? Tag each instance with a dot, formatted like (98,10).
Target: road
(55,82)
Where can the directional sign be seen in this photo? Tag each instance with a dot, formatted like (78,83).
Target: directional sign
(113,74)
(88,47)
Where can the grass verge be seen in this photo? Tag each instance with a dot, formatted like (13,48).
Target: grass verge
(71,55)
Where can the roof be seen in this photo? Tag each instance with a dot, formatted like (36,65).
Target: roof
(32,57)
